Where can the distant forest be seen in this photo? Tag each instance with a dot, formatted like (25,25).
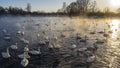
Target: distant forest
(77,8)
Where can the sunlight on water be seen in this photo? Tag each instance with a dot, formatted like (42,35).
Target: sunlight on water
(114,27)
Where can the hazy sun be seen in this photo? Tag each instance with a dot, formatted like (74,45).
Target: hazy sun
(115,3)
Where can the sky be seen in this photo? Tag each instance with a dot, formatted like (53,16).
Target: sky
(48,5)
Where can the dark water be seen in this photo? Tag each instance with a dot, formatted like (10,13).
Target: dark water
(107,53)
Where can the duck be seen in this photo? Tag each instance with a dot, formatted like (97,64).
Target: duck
(14,47)
(35,52)
(6,54)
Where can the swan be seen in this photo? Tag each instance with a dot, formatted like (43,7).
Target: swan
(7,38)
(73,46)
(84,40)
(14,47)
(82,49)
(50,46)
(99,41)
(24,62)
(26,49)
(78,37)
(47,39)
(6,54)
(38,35)
(24,55)
(90,59)
(35,52)
(24,40)
(41,42)
(57,46)
(4,31)
(20,32)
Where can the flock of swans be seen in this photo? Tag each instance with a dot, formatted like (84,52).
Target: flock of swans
(88,51)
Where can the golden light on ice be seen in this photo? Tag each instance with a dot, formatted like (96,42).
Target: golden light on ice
(115,3)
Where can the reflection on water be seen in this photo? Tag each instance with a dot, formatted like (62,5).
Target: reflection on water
(115,27)
(56,26)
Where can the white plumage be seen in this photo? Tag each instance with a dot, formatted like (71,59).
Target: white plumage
(26,49)
(14,47)
(6,54)
(25,55)
(73,46)
(35,52)
(82,49)
(90,59)
(24,62)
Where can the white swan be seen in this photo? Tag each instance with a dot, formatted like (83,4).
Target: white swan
(35,52)
(14,47)
(24,55)
(82,49)
(4,31)
(57,46)
(26,49)
(24,40)
(20,32)
(6,54)
(7,38)
(99,41)
(90,59)
(50,46)
(73,46)
(38,35)
(25,61)
(41,42)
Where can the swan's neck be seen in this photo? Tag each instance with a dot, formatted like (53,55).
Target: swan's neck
(16,44)
(8,50)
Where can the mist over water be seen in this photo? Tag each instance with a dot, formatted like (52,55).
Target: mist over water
(55,26)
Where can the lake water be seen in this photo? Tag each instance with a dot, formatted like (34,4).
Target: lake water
(108,54)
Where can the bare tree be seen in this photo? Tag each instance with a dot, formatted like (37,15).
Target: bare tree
(28,7)
(93,7)
(82,5)
(106,10)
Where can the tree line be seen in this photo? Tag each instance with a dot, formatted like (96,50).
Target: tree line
(77,8)
(88,8)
